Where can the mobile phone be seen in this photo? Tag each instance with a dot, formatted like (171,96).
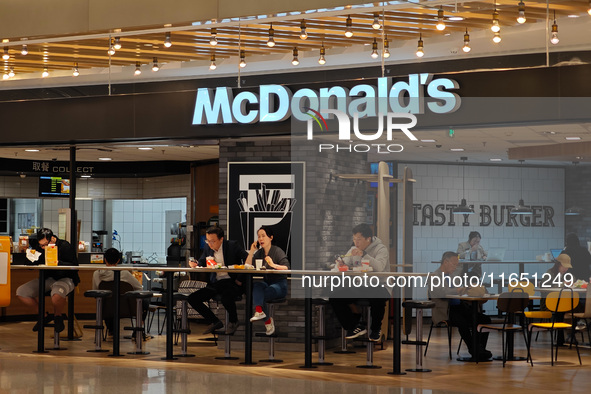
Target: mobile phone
(258,245)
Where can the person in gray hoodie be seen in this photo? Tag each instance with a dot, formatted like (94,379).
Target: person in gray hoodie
(366,248)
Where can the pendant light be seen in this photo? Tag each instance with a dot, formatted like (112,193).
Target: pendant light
(463,209)
(521,209)
(521,15)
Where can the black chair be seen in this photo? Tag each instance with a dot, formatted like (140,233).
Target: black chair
(183,330)
(98,327)
(321,337)
(418,306)
(127,307)
(365,305)
(138,330)
(270,308)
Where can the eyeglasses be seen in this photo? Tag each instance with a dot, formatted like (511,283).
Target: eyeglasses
(358,239)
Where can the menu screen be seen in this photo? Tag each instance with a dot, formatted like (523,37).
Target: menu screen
(53,186)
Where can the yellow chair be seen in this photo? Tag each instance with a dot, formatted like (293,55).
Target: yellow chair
(563,301)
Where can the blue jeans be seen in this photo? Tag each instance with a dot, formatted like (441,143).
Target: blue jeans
(261,292)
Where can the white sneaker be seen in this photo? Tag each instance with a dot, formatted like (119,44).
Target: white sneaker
(258,316)
(270,327)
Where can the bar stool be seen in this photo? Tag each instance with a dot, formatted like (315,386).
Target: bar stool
(344,349)
(364,303)
(98,327)
(321,337)
(419,306)
(138,330)
(184,329)
(271,307)
(227,337)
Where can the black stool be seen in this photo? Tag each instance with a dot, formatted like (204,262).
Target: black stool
(98,327)
(227,337)
(419,306)
(270,308)
(138,330)
(321,337)
(184,329)
(364,303)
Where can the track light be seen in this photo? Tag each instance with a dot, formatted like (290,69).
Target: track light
(554,38)
(24,50)
(374,49)
(111,50)
(386,47)
(6,55)
(497,38)
(295,60)
(45,73)
(521,16)
(155,66)
(376,22)
(466,48)
(271,40)
(242,63)
(440,22)
(167,40)
(348,27)
(138,69)
(420,52)
(303,34)
(214,40)
(11,72)
(321,59)
(495,22)
(212,65)
(117,44)
(76,72)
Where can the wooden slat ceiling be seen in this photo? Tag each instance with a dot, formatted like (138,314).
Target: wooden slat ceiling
(61,53)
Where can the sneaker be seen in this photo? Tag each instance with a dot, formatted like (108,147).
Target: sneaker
(375,336)
(357,331)
(212,327)
(258,316)
(59,324)
(232,327)
(270,327)
(46,320)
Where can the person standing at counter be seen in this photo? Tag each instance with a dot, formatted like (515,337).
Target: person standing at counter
(472,250)
(580,258)
(273,286)
(61,283)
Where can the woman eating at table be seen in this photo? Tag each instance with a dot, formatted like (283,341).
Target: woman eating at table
(273,286)
(472,250)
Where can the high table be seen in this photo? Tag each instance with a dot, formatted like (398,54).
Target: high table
(521,263)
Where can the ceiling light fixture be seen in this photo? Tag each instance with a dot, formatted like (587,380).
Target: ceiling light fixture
(589,8)
(376,22)
(271,40)
(117,44)
(212,65)
(24,50)
(11,73)
(497,38)
(213,40)
(167,40)
(303,34)
(374,49)
(155,66)
(5,76)
(145,148)
(496,159)
(554,37)
(348,27)
(495,27)
(105,158)
(386,47)
(6,55)
(457,149)
(420,52)
(463,208)
(521,209)
(111,50)
(429,140)
(466,48)
(45,73)
(521,16)
(242,63)
(76,72)
(295,60)
(31,150)
(572,138)
(85,176)
(440,22)
(322,59)
(138,69)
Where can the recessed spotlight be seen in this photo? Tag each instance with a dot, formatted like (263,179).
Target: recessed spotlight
(573,16)
(145,148)
(105,158)
(31,150)
(457,149)
(85,176)
(455,18)
(579,157)
(496,159)
(572,138)
(428,141)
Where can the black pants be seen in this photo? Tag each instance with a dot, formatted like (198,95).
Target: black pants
(461,317)
(229,291)
(349,320)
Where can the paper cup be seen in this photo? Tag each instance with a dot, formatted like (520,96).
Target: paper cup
(258,263)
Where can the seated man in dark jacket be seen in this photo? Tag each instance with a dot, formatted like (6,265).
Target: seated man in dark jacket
(229,286)
(61,283)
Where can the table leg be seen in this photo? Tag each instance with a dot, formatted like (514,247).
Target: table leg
(247,323)
(396,340)
(116,306)
(41,314)
(308,331)
(511,344)
(169,315)
(475,342)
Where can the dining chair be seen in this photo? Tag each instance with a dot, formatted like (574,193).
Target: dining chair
(531,315)
(586,316)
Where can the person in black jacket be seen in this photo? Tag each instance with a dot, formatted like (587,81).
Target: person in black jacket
(60,282)
(580,257)
(229,286)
